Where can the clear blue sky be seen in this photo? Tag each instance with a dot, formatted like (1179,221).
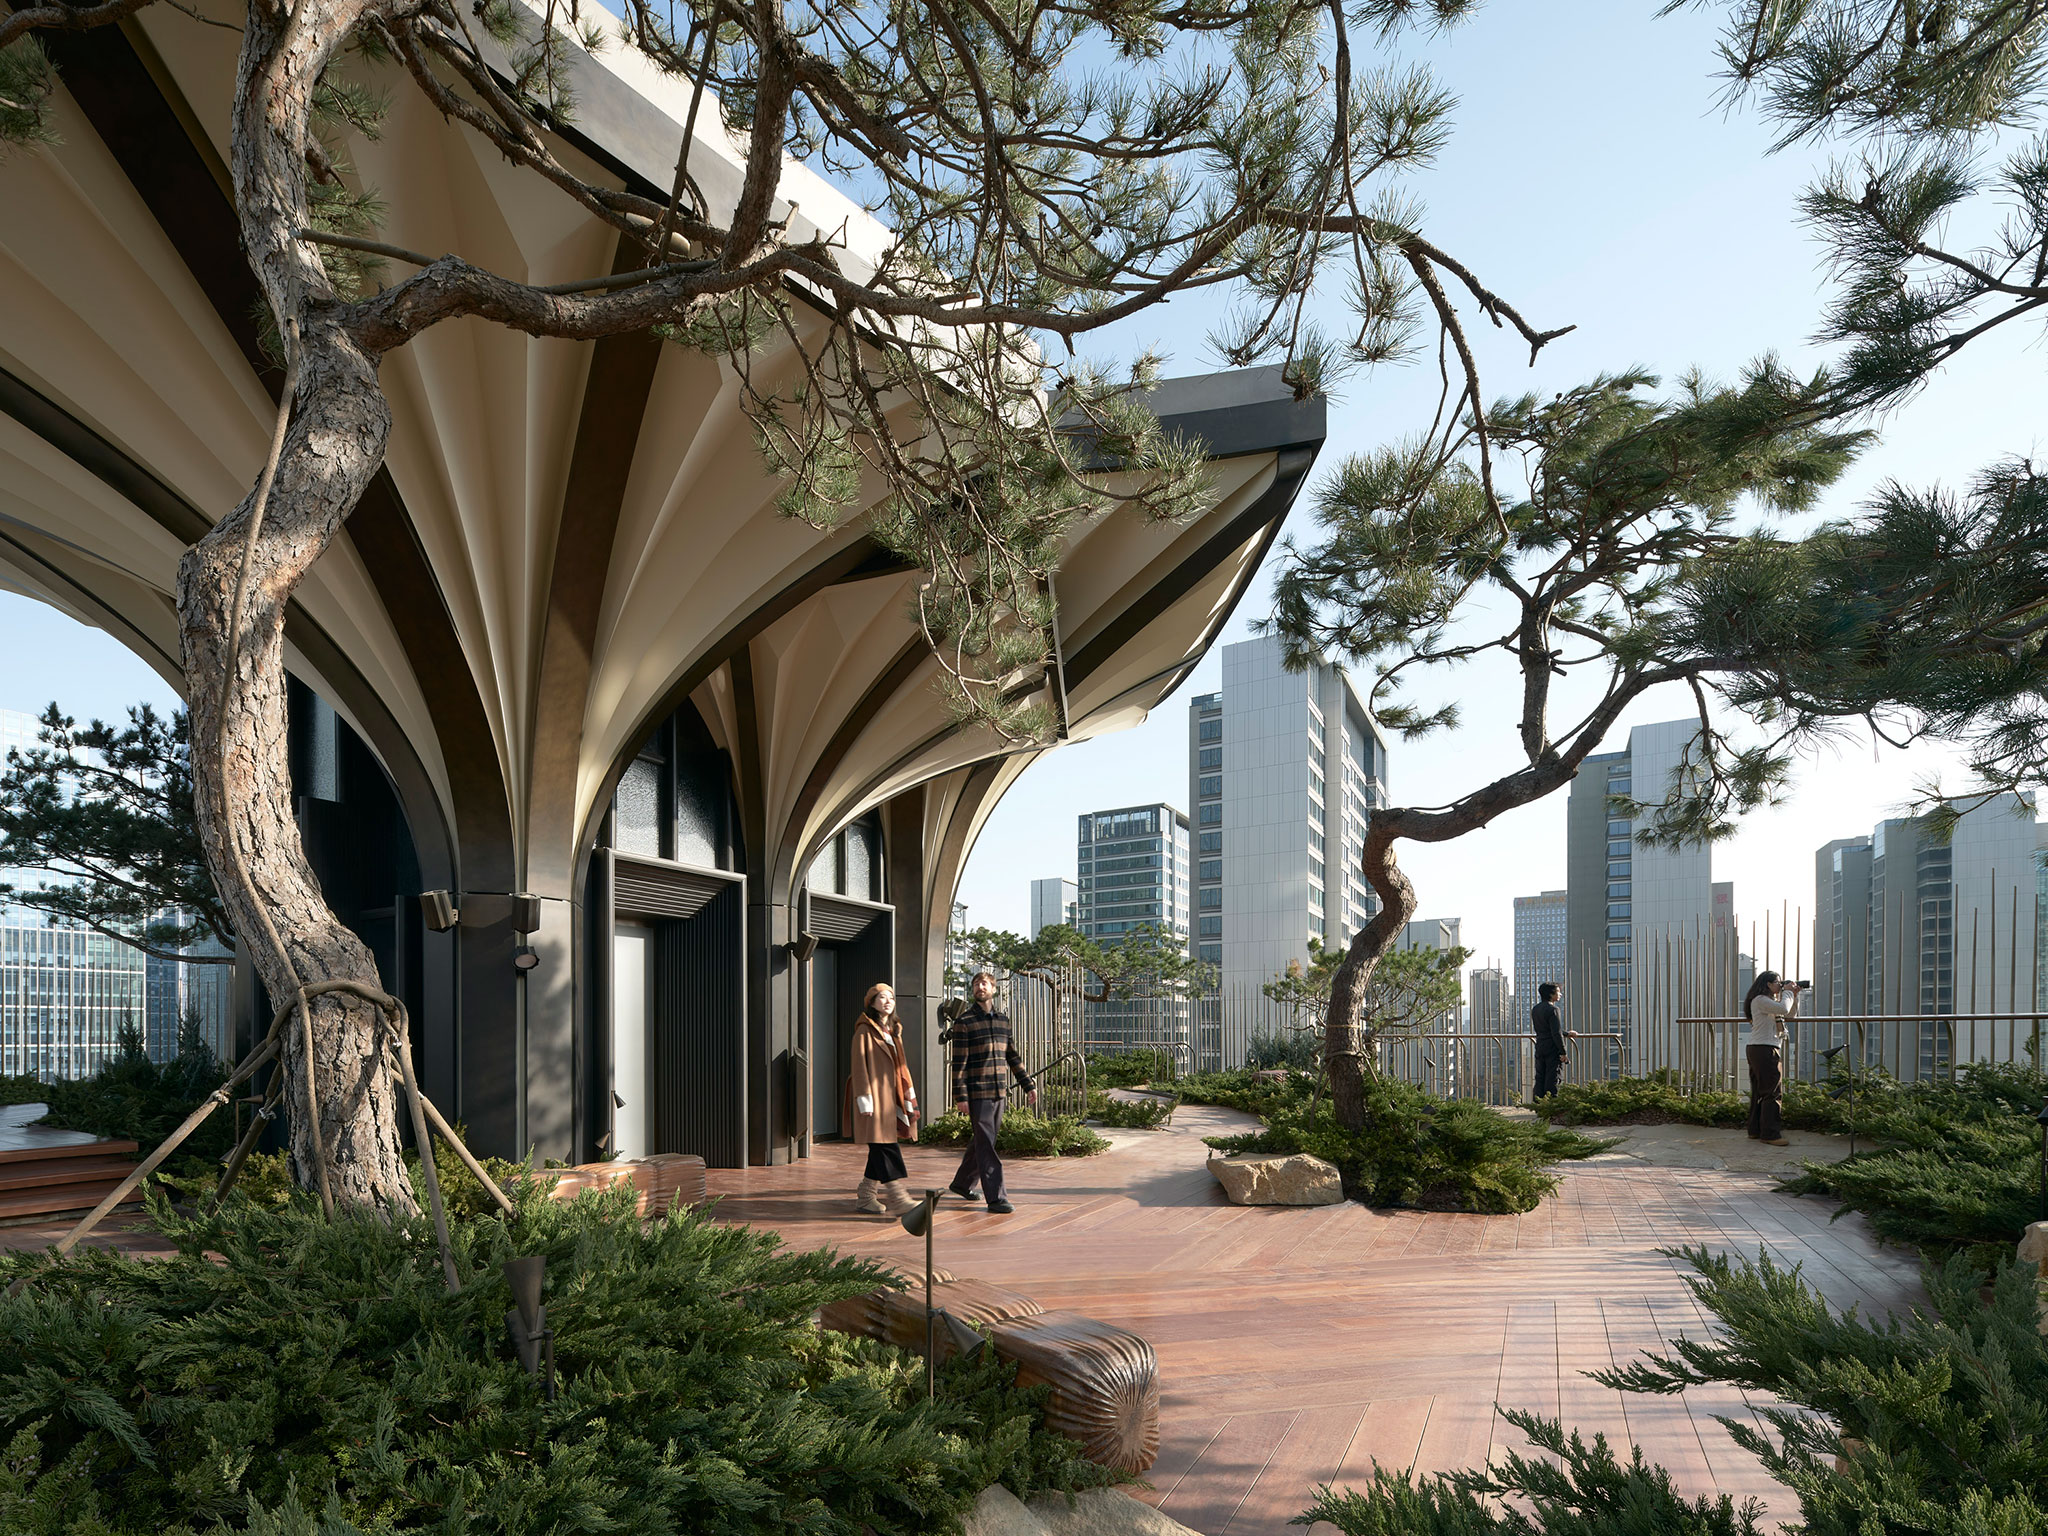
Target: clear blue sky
(1593,179)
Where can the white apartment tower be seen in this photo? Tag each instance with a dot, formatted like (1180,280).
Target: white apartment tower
(1282,769)
(1618,892)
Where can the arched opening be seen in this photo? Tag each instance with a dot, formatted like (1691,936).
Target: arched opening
(665,935)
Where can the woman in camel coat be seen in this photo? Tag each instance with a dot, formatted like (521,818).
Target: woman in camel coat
(881,1103)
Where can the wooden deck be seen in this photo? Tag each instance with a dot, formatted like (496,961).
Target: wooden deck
(1300,1346)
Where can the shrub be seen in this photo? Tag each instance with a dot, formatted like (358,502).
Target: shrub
(131,1098)
(1959,1161)
(266,1179)
(1301,1050)
(1416,1149)
(1244,1089)
(285,1374)
(1128,1114)
(1127,1069)
(1658,1100)
(1023,1134)
(1950,1407)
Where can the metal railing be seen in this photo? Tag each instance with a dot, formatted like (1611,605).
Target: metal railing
(1912,1047)
(1488,1066)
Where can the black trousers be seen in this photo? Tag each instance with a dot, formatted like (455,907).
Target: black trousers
(885,1162)
(1548,1065)
(1766,1093)
(980,1164)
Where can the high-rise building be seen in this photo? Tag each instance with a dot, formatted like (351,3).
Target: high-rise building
(958,964)
(1491,1014)
(1282,770)
(1052,902)
(1438,933)
(1619,893)
(66,994)
(1910,922)
(1133,866)
(1490,1001)
(1539,943)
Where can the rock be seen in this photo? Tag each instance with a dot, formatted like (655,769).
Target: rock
(1103,1512)
(1098,1512)
(1271,1178)
(999,1512)
(2034,1244)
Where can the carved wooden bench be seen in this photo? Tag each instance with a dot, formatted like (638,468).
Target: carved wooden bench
(664,1181)
(1104,1380)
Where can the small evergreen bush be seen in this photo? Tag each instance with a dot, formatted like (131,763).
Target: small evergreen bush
(1128,1069)
(131,1098)
(1958,1165)
(283,1374)
(1023,1134)
(1950,1409)
(1128,1114)
(1658,1100)
(1300,1050)
(1244,1089)
(1416,1149)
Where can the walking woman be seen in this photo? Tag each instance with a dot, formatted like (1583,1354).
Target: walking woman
(1767,1015)
(881,1103)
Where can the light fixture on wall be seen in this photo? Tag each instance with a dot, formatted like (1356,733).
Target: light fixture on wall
(525,958)
(438,910)
(525,914)
(803,946)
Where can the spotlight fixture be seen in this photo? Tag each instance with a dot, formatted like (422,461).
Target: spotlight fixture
(527,1322)
(968,1342)
(1832,1052)
(803,946)
(525,914)
(525,958)
(438,910)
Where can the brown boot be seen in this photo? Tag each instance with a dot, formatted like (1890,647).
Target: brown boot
(864,1199)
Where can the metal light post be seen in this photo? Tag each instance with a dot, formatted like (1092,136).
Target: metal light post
(917,1221)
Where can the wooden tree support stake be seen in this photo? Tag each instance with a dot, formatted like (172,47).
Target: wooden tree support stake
(454,1142)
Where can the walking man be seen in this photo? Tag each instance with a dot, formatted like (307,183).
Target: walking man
(983,1054)
(1550,1038)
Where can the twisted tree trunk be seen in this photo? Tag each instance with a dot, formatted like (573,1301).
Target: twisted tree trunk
(1344,1038)
(235,681)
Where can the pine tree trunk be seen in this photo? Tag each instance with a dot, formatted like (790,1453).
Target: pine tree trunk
(240,764)
(1344,1036)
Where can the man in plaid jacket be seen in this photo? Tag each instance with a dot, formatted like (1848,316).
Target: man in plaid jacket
(982,1054)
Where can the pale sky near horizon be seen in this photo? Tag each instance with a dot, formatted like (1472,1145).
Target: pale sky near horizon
(1593,179)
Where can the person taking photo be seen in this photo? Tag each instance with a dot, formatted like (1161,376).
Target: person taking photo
(1770,1004)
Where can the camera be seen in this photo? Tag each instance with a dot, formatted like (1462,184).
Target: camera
(1804,986)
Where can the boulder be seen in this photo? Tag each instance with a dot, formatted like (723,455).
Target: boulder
(2034,1245)
(1097,1512)
(1273,1178)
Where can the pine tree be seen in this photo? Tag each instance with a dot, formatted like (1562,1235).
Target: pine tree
(108,811)
(1046,170)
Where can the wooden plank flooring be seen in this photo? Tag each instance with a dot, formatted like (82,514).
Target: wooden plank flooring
(1299,1347)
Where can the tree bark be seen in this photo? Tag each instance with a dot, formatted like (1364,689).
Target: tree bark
(1344,1041)
(240,762)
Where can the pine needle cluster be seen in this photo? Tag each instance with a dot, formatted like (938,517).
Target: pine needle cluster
(286,1374)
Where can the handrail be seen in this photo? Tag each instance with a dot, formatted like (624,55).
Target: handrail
(1075,1055)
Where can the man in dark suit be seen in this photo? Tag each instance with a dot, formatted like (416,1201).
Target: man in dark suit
(1550,1038)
